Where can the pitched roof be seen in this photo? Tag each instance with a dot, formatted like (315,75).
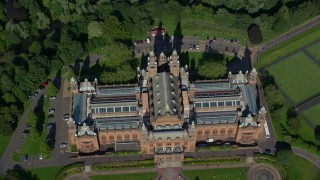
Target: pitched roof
(165,94)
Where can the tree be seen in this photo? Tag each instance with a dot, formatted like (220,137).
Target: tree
(43,21)
(254,34)
(212,69)
(52,89)
(294,124)
(19,173)
(35,48)
(317,133)
(45,150)
(274,98)
(94,29)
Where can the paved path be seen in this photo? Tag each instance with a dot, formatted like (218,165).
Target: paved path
(307,155)
(263,172)
(6,161)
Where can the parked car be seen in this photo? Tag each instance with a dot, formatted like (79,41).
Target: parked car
(51,111)
(26,157)
(26,132)
(226,49)
(214,38)
(190,46)
(210,41)
(197,46)
(52,97)
(40,157)
(49,126)
(66,117)
(63,144)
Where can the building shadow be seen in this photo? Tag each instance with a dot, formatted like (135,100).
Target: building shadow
(243,64)
(159,40)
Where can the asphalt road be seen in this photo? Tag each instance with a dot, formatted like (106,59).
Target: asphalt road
(294,32)
(307,155)
(18,139)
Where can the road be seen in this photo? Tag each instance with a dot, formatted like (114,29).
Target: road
(294,32)
(307,155)
(17,136)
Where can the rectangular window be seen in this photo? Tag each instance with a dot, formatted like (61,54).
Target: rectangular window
(117,109)
(102,110)
(197,104)
(207,132)
(133,108)
(111,137)
(110,109)
(93,111)
(228,103)
(213,104)
(205,104)
(221,103)
(125,109)
(238,103)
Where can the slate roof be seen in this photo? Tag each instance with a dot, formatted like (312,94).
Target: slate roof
(217,117)
(249,98)
(113,91)
(80,107)
(165,94)
(130,122)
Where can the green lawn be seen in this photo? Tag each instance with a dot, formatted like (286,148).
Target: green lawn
(315,50)
(288,46)
(47,173)
(226,173)
(4,141)
(144,176)
(194,58)
(306,132)
(32,146)
(297,76)
(313,114)
(301,168)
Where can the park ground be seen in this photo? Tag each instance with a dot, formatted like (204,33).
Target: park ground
(295,68)
(294,167)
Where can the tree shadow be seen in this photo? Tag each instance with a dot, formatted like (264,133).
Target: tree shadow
(40,115)
(57,79)
(267,78)
(144,61)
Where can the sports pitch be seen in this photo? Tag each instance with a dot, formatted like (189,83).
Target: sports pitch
(297,76)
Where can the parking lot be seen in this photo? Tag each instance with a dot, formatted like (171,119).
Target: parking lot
(188,43)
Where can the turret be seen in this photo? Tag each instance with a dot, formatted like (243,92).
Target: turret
(174,64)
(252,77)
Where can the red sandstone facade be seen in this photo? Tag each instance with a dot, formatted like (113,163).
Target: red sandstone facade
(165,114)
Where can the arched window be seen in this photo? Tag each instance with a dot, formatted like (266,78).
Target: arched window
(119,137)
(222,131)
(127,136)
(103,139)
(134,136)
(230,131)
(199,132)
(214,132)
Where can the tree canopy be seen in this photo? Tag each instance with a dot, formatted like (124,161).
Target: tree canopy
(212,69)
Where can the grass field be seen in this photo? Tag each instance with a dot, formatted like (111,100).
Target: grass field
(47,173)
(208,174)
(194,58)
(4,141)
(301,168)
(144,176)
(201,28)
(289,46)
(297,76)
(32,146)
(315,50)
(313,114)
